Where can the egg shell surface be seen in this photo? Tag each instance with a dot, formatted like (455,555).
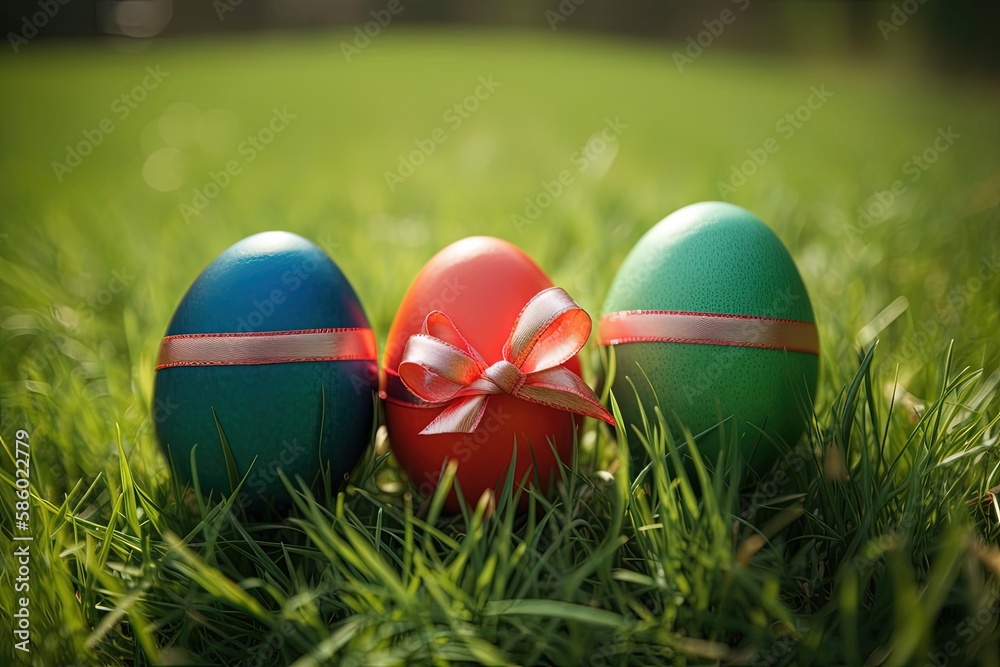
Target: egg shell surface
(715,257)
(298,416)
(481,283)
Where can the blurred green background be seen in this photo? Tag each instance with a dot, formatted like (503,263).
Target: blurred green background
(956,34)
(142,205)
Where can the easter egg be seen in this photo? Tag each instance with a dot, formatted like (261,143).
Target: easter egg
(710,320)
(269,362)
(459,313)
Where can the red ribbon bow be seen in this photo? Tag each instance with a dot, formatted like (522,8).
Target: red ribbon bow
(440,366)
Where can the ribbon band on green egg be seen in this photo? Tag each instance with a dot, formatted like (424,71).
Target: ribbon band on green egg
(266,347)
(660,326)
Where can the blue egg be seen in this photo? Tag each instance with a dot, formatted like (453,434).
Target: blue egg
(269,357)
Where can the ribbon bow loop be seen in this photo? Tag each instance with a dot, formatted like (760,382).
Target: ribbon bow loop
(442,368)
(549,331)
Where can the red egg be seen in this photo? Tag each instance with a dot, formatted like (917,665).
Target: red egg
(481,284)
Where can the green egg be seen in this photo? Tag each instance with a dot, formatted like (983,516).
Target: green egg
(725,333)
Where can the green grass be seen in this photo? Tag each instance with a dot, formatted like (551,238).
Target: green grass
(860,546)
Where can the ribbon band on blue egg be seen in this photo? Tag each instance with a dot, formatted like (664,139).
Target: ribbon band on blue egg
(660,326)
(267,347)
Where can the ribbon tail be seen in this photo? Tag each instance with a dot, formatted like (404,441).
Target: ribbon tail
(561,388)
(461,416)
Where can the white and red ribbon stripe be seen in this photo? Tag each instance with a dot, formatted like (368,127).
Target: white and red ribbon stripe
(660,326)
(266,347)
